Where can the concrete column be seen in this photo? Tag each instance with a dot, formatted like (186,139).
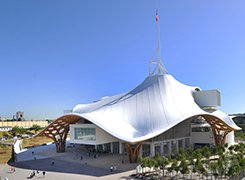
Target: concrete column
(120,147)
(161,148)
(152,149)
(169,147)
(103,147)
(111,147)
(141,150)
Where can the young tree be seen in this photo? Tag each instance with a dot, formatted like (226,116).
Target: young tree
(222,165)
(184,166)
(206,152)
(234,168)
(199,167)
(175,166)
(213,167)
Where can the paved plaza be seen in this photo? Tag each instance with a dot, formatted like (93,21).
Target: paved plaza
(76,163)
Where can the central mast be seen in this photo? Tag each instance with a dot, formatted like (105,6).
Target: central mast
(157,63)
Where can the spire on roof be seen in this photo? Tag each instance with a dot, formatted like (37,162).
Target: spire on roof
(155,65)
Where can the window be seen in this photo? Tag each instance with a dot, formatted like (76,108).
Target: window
(85,134)
(200,129)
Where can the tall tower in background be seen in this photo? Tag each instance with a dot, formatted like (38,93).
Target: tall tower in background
(20,116)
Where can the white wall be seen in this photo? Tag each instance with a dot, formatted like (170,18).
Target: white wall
(202,137)
(208,98)
(230,138)
(102,136)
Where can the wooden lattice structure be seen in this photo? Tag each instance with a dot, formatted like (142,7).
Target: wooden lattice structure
(58,130)
(133,151)
(219,128)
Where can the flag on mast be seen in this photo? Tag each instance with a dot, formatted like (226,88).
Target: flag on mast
(156,16)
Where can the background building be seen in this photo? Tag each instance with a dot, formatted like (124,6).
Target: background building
(8,125)
(19,116)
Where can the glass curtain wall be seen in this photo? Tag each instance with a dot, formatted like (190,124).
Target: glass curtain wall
(85,134)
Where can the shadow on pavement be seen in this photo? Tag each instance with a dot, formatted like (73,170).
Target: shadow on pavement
(62,166)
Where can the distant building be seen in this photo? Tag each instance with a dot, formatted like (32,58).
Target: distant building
(20,116)
(8,125)
(239,119)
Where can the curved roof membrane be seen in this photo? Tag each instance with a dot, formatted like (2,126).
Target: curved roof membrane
(156,105)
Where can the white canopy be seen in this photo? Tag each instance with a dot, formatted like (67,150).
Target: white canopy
(156,105)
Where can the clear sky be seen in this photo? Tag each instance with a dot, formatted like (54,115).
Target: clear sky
(56,54)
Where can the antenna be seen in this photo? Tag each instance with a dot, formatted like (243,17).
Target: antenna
(157,63)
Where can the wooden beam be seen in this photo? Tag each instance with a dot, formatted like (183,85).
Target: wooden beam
(133,151)
(219,128)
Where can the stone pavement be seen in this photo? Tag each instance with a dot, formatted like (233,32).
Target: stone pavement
(22,174)
(68,165)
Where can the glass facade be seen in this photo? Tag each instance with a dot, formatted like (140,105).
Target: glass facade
(158,149)
(85,134)
(174,147)
(200,129)
(146,150)
(166,148)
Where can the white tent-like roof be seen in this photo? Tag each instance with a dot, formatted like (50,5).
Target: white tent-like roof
(159,103)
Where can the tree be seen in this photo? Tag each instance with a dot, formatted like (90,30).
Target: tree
(198,154)
(231,148)
(234,168)
(213,167)
(169,161)
(160,163)
(199,167)
(206,152)
(222,165)
(183,166)
(175,165)
(35,128)
(18,131)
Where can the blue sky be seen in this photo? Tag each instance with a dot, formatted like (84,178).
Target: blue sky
(56,54)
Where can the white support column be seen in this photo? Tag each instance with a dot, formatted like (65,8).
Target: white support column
(152,149)
(161,148)
(169,147)
(120,147)
(103,147)
(141,150)
(111,147)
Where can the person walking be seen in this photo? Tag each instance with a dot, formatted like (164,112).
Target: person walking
(44,173)
(52,163)
(111,168)
(12,169)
